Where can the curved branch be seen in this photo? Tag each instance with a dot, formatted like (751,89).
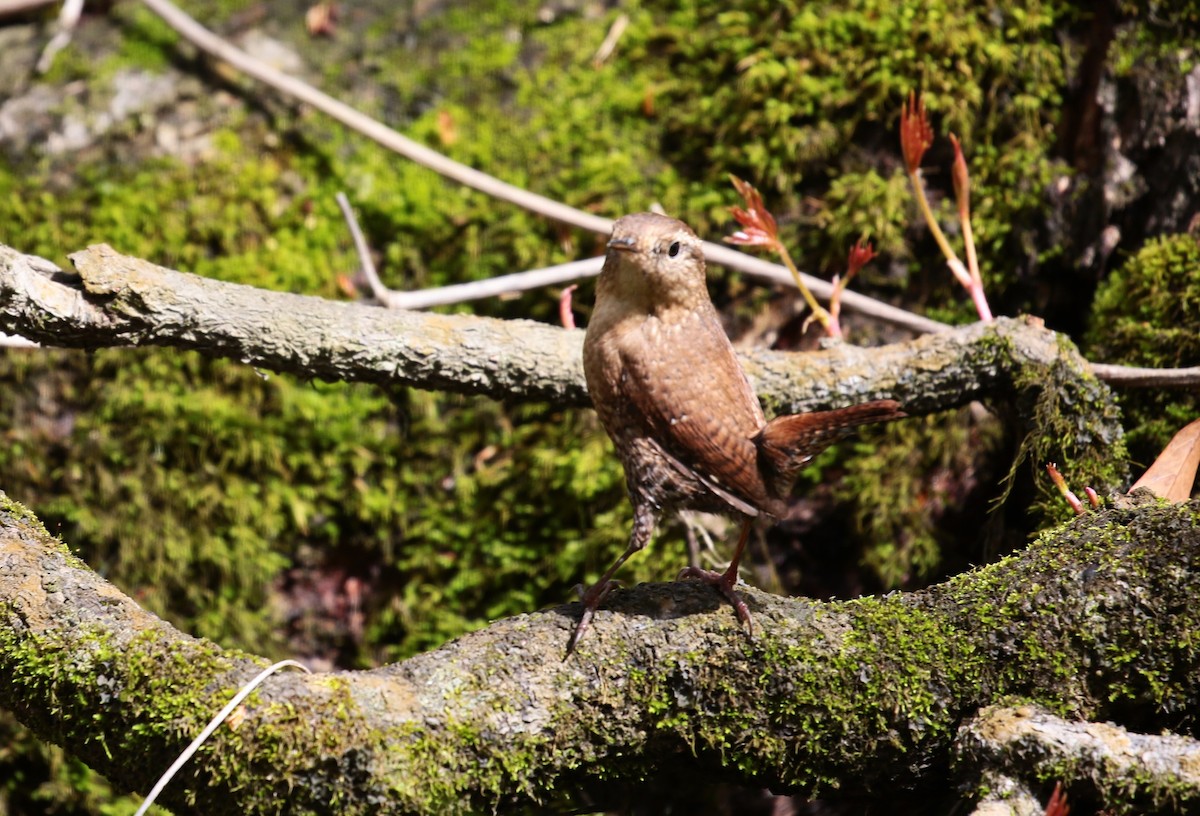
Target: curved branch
(491,287)
(852,694)
(116,300)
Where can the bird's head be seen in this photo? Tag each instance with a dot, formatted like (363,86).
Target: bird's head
(653,263)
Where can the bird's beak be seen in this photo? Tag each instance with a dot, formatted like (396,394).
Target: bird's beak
(626,244)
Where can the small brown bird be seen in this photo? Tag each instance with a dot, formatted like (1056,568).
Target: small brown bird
(670,392)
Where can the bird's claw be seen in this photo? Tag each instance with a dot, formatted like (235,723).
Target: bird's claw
(591,598)
(724,582)
(580,628)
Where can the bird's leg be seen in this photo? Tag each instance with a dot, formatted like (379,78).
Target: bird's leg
(644,520)
(727,580)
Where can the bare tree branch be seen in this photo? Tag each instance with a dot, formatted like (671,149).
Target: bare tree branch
(491,287)
(366,264)
(1134,377)
(116,300)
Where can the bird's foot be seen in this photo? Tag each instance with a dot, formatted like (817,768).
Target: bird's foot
(591,598)
(724,582)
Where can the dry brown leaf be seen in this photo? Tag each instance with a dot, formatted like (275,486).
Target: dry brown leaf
(1174,471)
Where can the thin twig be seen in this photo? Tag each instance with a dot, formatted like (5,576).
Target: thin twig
(459,292)
(1133,377)
(493,287)
(365,262)
(559,274)
(212,726)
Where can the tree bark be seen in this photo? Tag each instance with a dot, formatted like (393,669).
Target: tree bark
(1094,620)
(1144,771)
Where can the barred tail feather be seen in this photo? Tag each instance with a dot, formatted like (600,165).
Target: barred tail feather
(786,443)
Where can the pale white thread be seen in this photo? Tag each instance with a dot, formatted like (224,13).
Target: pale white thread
(215,723)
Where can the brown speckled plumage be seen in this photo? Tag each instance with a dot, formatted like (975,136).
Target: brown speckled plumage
(669,390)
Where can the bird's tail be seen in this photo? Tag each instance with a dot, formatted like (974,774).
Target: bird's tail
(787,442)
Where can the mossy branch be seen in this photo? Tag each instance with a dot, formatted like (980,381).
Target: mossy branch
(1031,746)
(1095,620)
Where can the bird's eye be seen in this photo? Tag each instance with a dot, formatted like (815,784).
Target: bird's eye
(673,249)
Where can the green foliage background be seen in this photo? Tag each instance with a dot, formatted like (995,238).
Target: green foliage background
(1146,315)
(205,488)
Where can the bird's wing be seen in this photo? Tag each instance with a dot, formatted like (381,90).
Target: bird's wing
(691,396)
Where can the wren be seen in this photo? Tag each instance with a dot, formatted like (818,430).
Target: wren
(669,390)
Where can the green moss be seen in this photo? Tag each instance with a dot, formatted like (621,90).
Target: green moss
(804,99)
(1164,30)
(864,204)
(1124,677)
(901,487)
(19,512)
(1145,315)
(1074,424)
